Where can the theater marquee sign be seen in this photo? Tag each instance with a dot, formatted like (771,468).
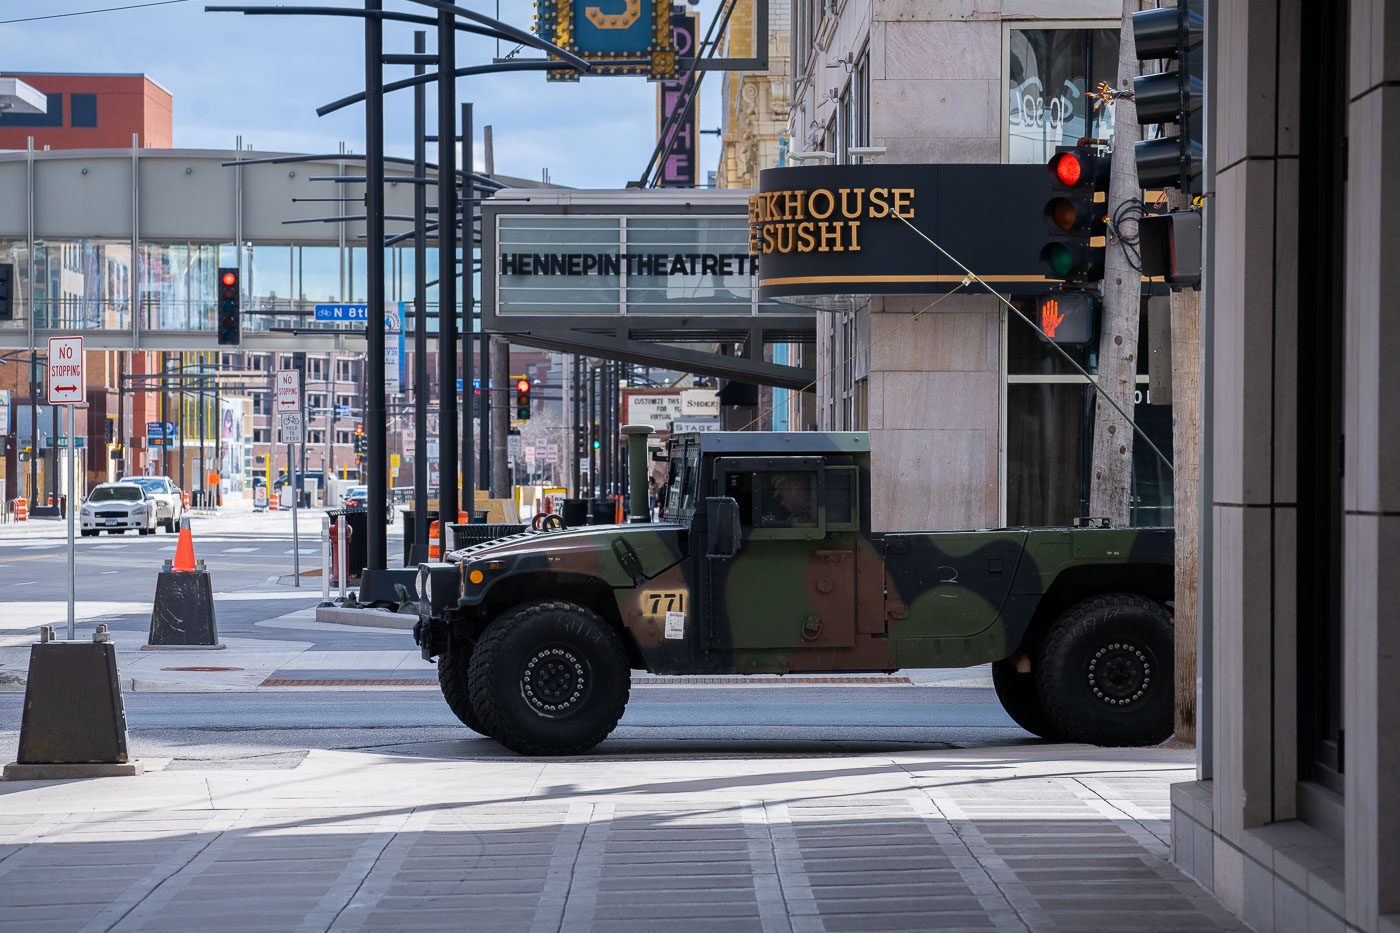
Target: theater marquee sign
(841,229)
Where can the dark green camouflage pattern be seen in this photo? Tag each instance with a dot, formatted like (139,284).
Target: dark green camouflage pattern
(828,596)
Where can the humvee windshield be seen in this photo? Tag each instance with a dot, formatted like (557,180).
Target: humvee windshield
(682,483)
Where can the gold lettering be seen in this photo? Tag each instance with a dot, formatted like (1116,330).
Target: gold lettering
(768,245)
(879,207)
(902,197)
(847,211)
(805,242)
(785,243)
(792,205)
(855,236)
(755,208)
(755,241)
(812,203)
(632,11)
(832,231)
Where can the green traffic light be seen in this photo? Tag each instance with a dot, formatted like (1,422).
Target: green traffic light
(1060,259)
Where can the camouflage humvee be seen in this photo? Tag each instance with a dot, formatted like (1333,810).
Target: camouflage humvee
(764,562)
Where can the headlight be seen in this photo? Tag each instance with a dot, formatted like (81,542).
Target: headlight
(425,585)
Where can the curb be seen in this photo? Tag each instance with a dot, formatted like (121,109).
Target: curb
(375,618)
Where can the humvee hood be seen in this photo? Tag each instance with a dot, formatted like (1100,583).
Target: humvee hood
(622,555)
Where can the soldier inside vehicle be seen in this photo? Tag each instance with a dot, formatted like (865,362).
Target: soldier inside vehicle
(787,500)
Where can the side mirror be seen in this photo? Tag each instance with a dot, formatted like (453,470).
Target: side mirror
(722,517)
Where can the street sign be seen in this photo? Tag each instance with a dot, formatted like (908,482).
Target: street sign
(288,391)
(551,454)
(513,446)
(410,446)
(393,348)
(342,312)
(433,448)
(66,379)
(342,411)
(293,428)
(687,427)
(61,442)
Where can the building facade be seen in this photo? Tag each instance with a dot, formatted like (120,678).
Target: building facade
(754,118)
(92,111)
(1295,820)
(974,420)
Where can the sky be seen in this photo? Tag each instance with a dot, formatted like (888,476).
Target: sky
(262,77)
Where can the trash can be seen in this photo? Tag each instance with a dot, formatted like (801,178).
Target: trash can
(356,521)
(602,512)
(575,512)
(469,535)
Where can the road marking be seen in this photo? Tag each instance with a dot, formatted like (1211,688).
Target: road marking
(25,583)
(37,547)
(238,550)
(305,550)
(105,572)
(103,547)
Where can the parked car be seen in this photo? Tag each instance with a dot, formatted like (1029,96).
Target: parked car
(170,506)
(117,507)
(357,497)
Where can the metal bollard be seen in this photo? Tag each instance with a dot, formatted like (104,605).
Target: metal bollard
(325,559)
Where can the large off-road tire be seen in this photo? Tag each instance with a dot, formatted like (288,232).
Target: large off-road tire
(1105,671)
(549,678)
(1021,700)
(454,667)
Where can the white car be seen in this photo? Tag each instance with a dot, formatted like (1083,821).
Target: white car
(170,506)
(116,508)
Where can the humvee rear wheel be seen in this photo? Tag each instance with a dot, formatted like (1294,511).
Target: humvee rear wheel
(453,668)
(1105,672)
(549,678)
(1021,700)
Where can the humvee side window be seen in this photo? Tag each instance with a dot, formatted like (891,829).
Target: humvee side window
(787,499)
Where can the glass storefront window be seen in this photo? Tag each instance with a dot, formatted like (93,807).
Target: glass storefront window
(16,254)
(79,284)
(1050,434)
(1049,72)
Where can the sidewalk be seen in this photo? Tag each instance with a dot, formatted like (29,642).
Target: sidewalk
(424,837)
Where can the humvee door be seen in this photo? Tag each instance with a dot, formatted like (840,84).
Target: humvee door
(792,583)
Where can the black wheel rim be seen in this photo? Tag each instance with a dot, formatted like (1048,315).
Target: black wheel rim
(1121,673)
(556,681)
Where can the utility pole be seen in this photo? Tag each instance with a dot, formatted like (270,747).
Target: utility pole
(420,308)
(1111,463)
(468,318)
(447,279)
(500,417)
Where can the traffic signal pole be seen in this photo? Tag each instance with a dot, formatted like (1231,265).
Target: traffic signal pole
(420,305)
(376,545)
(447,278)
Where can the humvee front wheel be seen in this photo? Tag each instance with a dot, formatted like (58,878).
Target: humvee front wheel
(1021,700)
(549,678)
(1105,672)
(453,668)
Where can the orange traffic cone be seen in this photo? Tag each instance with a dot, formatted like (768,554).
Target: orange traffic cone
(184,549)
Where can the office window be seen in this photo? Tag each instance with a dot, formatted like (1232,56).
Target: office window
(82,110)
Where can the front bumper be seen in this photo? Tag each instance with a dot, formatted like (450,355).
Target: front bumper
(93,523)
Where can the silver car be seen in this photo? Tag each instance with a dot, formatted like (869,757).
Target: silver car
(169,502)
(116,508)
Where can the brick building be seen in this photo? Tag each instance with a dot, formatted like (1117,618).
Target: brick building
(92,111)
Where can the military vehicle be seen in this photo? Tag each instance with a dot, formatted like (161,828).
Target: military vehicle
(763,562)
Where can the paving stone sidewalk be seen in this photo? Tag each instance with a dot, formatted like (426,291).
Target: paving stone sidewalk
(429,837)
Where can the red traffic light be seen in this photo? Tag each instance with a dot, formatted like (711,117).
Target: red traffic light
(230,278)
(1068,169)
(522,386)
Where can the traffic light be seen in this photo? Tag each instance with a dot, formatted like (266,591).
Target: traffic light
(522,400)
(230,297)
(1075,214)
(1169,96)
(1066,317)
(361,442)
(7,275)
(597,441)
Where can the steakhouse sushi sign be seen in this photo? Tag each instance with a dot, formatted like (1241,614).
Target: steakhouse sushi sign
(846,229)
